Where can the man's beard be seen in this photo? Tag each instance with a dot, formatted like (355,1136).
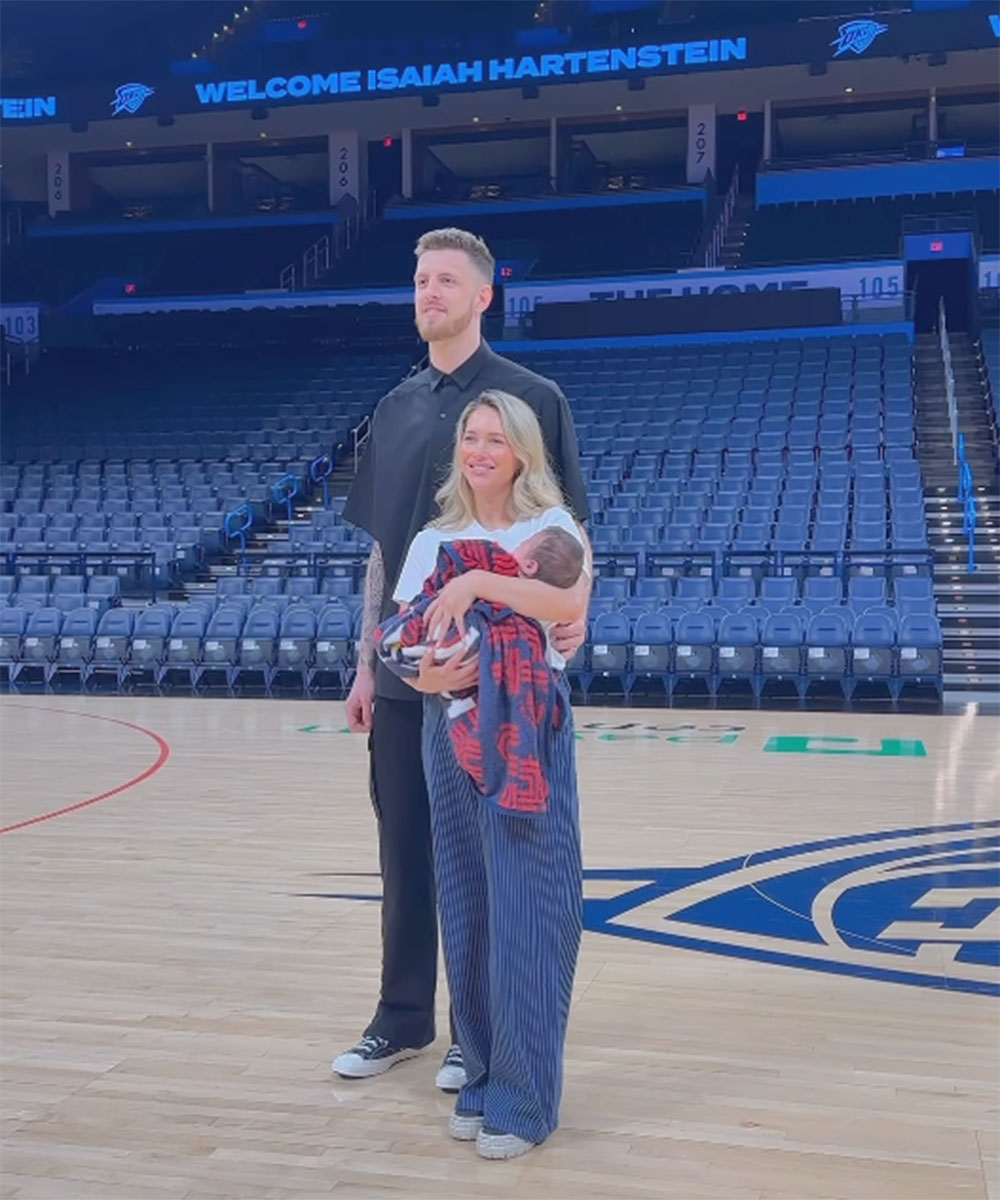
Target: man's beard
(442,331)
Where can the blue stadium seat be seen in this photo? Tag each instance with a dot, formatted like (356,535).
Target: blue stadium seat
(332,655)
(827,642)
(736,649)
(257,647)
(916,591)
(231,585)
(38,646)
(693,591)
(13,622)
(865,591)
(184,646)
(103,592)
(735,592)
(652,636)
(694,650)
(265,586)
(295,645)
(822,590)
(339,587)
(111,645)
(778,592)
(610,637)
(781,650)
(874,639)
(222,637)
(920,652)
(76,643)
(610,588)
(149,642)
(34,589)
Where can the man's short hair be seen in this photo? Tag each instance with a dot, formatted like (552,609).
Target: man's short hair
(459,239)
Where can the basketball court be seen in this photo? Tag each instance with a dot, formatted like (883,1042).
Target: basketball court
(787,987)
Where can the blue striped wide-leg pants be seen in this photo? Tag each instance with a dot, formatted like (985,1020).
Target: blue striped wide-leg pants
(510,899)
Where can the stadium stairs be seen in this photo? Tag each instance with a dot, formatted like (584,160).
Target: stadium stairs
(968,602)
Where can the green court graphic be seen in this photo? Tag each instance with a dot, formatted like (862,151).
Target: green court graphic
(888,747)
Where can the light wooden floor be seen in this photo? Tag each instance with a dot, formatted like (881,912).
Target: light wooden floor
(177,975)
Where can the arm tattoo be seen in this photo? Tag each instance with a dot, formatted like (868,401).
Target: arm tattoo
(374,593)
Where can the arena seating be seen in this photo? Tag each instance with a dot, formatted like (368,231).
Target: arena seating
(855,229)
(150,455)
(215,259)
(757,521)
(555,242)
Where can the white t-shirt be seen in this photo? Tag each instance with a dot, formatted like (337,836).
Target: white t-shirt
(421,558)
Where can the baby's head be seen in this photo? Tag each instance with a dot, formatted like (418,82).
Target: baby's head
(554,556)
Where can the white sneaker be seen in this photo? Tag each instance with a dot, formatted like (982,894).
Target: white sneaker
(501,1145)
(451,1077)
(465,1127)
(371,1056)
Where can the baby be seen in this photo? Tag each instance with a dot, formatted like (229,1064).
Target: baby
(553,556)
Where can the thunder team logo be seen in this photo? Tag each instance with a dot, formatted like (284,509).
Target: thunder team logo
(130,97)
(911,906)
(907,906)
(857,36)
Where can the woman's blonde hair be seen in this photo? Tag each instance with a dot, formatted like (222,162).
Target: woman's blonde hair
(535,488)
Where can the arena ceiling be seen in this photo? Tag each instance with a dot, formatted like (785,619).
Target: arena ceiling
(58,42)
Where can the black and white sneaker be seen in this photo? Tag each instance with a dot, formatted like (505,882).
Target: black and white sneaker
(451,1076)
(371,1056)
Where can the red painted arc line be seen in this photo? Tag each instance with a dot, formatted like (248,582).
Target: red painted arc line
(161,760)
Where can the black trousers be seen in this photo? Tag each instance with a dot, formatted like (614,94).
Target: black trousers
(405,1013)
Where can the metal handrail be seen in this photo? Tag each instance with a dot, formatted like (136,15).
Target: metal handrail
(967,498)
(359,436)
(245,512)
(285,490)
(949,379)
(719,234)
(316,260)
(320,470)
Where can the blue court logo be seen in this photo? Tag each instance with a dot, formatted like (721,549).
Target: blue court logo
(995,23)
(130,97)
(857,36)
(911,906)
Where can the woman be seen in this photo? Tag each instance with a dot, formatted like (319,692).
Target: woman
(509,887)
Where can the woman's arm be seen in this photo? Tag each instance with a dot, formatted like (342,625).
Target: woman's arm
(529,597)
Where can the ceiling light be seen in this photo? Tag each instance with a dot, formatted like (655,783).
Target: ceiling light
(848,90)
(618,108)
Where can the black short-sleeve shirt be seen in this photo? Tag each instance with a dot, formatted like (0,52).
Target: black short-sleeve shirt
(410,450)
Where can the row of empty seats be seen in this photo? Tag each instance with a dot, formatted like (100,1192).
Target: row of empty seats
(662,651)
(546,244)
(196,405)
(234,647)
(163,643)
(856,229)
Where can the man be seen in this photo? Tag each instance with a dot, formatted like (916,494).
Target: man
(392,497)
